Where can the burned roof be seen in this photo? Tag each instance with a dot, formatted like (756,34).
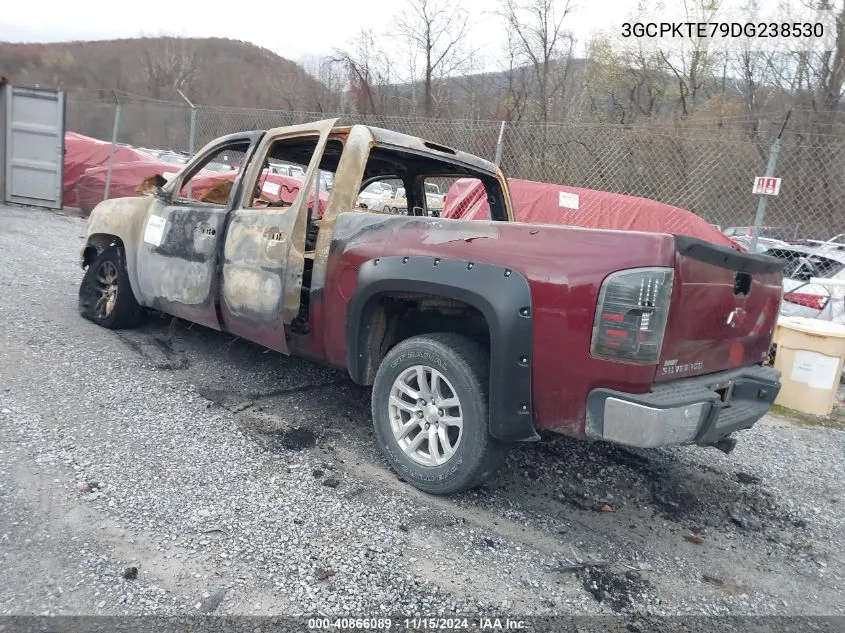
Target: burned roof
(414,143)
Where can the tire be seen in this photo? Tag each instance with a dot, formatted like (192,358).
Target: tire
(460,368)
(105,295)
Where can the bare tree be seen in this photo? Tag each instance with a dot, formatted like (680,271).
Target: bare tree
(828,68)
(169,64)
(540,42)
(624,76)
(753,80)
(811,79)
(692,61)
(816,79)
(648,84)
(331,73)
(517,75)
(369,73)
(438,30)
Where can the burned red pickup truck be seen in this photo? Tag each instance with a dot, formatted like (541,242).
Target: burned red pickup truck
(473,333)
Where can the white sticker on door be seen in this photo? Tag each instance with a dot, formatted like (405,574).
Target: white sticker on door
(568,200)
(155,230)
(815,370)
(271,187)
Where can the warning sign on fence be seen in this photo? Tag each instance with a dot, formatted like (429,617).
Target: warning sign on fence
(766,186)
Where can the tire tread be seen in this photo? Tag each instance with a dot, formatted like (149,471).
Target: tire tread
(474,358)
(127,312)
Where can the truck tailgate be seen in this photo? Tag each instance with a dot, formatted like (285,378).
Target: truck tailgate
(723,310)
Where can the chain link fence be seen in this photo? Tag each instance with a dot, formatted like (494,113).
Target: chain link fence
(706,169)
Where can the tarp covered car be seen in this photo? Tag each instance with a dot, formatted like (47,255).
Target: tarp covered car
(84,152)
(125,178)
(544,203)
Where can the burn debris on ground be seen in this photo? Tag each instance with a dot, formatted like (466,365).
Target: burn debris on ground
(619,592)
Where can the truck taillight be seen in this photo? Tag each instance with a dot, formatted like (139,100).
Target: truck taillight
(631,315)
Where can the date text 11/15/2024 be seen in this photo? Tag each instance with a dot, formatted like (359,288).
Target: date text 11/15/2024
(415,624)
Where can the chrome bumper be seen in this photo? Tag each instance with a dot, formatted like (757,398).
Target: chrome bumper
(699,410)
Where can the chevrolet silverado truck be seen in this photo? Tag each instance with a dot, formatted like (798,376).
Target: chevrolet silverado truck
(474,334)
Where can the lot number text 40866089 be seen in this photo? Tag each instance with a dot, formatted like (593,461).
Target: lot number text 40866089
(416,624)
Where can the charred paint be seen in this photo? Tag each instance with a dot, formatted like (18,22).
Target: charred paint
(357,142)
(191,234)
(181,270)
(263,251)
(256,289)
(440,232)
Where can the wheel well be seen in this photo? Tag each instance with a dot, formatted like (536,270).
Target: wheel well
(97,243)
(388,319)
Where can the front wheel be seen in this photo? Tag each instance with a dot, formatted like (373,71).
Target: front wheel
(430,413)
(105,294)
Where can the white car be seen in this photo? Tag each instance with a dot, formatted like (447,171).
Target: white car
(433,195)
(805,299)
(374,195)
(294,171)
(763,244)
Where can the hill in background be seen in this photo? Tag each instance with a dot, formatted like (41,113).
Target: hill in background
(210,71)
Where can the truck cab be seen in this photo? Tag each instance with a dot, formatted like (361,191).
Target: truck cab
(473,333)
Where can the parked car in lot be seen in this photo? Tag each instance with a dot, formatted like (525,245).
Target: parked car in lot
(432,191)
(398,203)
(294,171)
(802,264)
(768,232)
(173,157)
(473,334)
(763,243)
(220,166)
(374,195)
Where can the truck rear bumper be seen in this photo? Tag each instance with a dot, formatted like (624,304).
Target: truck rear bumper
(699,410)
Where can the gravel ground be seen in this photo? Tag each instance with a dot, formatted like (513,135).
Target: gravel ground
(174,470)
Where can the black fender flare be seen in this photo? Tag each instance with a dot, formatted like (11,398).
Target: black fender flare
(501,294)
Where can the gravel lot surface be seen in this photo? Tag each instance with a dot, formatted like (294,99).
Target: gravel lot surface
(174,469)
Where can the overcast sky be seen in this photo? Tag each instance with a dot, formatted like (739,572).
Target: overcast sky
(291,28)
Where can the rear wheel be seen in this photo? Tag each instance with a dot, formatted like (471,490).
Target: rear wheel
(105,295)
(430,413)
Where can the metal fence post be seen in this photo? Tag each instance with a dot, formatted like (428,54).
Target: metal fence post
(192,128)
(770,171)
(114,133)
(761,204)
(192,131)
(498,158)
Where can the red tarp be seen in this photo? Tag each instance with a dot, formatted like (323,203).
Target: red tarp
(543,203)
(125,177)
(285,188)
(274,187)
(84,152)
